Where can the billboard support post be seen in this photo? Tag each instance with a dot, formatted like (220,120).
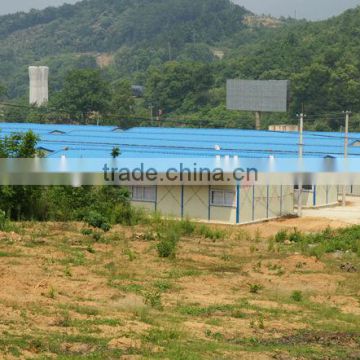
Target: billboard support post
(258,120)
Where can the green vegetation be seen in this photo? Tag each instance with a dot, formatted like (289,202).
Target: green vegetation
(172,48)
(326,241)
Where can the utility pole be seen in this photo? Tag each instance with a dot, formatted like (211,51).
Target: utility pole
(301,154)
(346,144)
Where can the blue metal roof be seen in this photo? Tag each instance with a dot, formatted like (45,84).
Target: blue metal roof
(89,141)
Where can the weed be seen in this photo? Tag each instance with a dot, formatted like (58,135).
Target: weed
(153,299)
(296,236)
(130,254)
(86,232)
(255,288)
(90,249)
(281,236)
(97,236)
(208,233)
(257,237)
(297,296)
(64,320)
(67,272)
(51,293)
(187,228)
(163,285)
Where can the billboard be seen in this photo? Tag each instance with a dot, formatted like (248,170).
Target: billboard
(258,95)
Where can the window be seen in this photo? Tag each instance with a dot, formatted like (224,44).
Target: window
(144,193)
(304,187)
(223,198)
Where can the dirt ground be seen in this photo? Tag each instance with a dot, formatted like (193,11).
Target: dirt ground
(64,295)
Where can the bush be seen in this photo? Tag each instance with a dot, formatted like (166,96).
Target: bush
(296,236)
(124,214)
(255,288)
(97,220)
(3,221)
(187,228)
(86,232)
(297,295)
(281,236)
(166,248)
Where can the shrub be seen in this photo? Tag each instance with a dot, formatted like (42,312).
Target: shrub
(96,236)
(255,288)
(124,214)
(4,222)
(297,295)
(86,232)
(281,236)
(97,220)
(187,228)
(166,248)
(296,236)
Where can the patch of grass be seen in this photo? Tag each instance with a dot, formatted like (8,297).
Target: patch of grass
(130,254)
(163,285)
(329,241)
(208,233)
(9,254)
(80,309)
(77,258)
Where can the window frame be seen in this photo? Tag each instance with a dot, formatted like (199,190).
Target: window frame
(223,192)
(142,189)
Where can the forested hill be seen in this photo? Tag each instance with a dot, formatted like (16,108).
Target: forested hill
(105,25)
(321,58)
(139,33)
(184,50)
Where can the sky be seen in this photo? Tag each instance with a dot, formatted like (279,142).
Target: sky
(309,9)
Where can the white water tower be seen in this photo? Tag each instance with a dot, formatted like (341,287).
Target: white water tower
(39,85)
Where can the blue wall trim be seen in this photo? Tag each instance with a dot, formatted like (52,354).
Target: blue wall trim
(267,201)
(253,203)
(209,204)
(238,204)
(182,201)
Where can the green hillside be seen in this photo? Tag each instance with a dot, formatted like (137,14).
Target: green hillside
(183,51)
(143,32)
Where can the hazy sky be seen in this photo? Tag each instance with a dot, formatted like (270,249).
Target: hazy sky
(311,9)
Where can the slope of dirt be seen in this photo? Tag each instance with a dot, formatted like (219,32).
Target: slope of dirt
(64,295)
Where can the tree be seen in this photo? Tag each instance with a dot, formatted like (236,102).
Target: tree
(18,201)
(2,91)
(85,92)
(122,100)
(115,152)
(179,86)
